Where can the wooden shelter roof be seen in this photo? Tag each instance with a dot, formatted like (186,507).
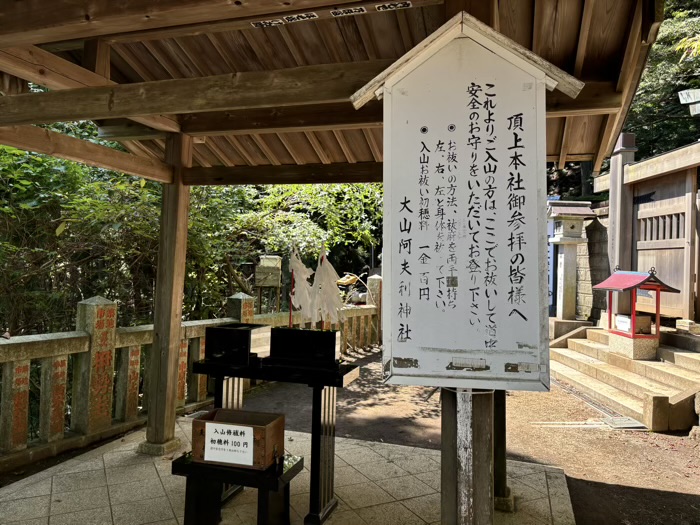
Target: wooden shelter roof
(267,83)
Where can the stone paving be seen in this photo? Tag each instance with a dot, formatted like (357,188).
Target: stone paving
(375,483)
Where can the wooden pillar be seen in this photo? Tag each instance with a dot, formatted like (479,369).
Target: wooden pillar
(170,279)
(504,500)
(467,496)
(374,296)
(93,371)
(688,291)
(621,224)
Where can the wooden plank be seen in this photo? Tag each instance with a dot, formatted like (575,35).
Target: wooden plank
(284,119)
(679,207)
(463,23)
(48,142)
(123,129)
(39,21)
(96,57)
(295,86)
(572,158)
(596,98)
(677,160)
(287,174)
(163,368)
(662,244)
(48,70)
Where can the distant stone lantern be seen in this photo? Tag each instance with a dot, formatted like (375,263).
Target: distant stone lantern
(568,217)
(632,335)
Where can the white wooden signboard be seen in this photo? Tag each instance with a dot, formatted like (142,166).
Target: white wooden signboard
(465,261)
(228,444)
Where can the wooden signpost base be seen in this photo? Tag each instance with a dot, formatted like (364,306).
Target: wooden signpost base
(467,457)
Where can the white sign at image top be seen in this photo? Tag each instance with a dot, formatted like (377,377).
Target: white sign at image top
(465,242)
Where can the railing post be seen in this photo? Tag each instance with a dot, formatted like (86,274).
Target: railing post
(14,425)
(374,286)
(54,375)
(93,372)
(242,307)
(127,403)
(182,372)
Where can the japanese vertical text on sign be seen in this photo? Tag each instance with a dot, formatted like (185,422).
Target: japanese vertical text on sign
(464,234)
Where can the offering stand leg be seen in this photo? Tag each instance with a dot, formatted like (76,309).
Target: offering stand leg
(322,498)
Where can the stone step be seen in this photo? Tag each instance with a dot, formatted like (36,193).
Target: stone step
(587,347)
(614,398)
(598,336)
(683,358)
(619,378)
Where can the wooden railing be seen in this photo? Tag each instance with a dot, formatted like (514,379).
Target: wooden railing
(93,382)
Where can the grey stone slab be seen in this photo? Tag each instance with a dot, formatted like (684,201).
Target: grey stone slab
(406,487)
(523,492)
(348,517)
(101,516)
(248,513)
(538,509)
(298,502)
(300,483)
(35,521)
(389,514)
(131,473)
(87,479)
(84,465)
(24,509)
(123,458)
(417,463)
(432,479)
(348,476)
(363,495)
(383,469)
(78,500)
(248,495)
(537,481)
(40,488)
(146,511)
(177,503)
(136,491)
(173,484)
(425,507)
(354,456)
(393,451)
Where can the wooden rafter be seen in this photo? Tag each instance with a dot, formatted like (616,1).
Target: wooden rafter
(45,69)
(285,119)
(584,32)
(33,22)
(289,87)
(638,45)
(96,57)
(287,174)
(42,140)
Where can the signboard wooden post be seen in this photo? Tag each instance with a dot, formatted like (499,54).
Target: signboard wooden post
(465,261)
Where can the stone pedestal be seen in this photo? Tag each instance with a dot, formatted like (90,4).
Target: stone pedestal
(638,348)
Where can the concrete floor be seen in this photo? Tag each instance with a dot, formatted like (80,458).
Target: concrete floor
(376,483)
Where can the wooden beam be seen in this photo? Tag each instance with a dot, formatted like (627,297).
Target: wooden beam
(287,87)
(286,174)
(48,70)
(319,117)
(578,157)
(12,85)
(48,142)
(674,161)
(37,22)
(596,98)
(96,57)
(123,129)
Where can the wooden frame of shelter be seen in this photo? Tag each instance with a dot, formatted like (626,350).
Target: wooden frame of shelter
(222,92)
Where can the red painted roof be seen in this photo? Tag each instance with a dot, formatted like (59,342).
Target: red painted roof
(623,281)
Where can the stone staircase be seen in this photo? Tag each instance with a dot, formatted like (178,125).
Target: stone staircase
(659,394)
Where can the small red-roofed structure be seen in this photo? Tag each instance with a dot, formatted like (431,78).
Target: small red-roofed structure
(622,281)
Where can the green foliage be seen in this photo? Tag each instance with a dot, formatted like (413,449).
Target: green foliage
(69,232)
(660,122)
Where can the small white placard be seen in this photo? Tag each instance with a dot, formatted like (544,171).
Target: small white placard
(228,444)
